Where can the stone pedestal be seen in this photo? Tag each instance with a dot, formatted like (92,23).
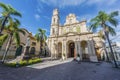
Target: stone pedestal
(91,49)
(26,50)
(93,59)
(22,56)
(26,53)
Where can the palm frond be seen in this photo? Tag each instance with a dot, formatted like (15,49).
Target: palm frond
(103,16)
(101,35)
(110,30)
(45,37)
(5,7)
(104,19)
(113,21)
(113,14)
(95,19)
(16,38)
(16,13)
(40,30)
(17,21)
(3,39)
(37,37)
(94,26)
(13,11)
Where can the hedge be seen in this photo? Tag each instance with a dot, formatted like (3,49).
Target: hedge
(24,62)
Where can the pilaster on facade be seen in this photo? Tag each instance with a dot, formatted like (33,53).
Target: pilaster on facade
(92,55)
(64,52)
(76,50)
(74,39)
(79,50)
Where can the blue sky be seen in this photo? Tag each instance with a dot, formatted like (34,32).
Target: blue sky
(38,13)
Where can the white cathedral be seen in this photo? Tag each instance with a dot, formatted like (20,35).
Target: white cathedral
(72,39)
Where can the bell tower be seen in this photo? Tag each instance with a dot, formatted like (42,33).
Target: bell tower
(55,23)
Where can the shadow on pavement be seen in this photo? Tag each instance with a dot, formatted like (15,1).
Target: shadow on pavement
(66,71)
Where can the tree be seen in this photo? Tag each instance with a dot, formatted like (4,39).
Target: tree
(105,22)
(3,39)
(41,38)
(8,12)
(102,36)
(12,31)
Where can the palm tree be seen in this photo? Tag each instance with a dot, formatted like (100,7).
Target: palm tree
(104,22)
(12,30)
(1,19)
(41,38)
(8,12)
(3,39)
(102,36)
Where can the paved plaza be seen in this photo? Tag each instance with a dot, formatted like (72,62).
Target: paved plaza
(61,70)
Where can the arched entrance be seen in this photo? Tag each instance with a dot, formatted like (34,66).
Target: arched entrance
(97,51)
(71,49)
(84,50)
(59,50)
(32,50)
(19,51)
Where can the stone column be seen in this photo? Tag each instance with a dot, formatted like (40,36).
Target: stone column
(50,47)
(52,50)
(55,51)
(65,50)
(76,50)
(89,47)
(79,49)
(91,50)
(93,47)
(64,54)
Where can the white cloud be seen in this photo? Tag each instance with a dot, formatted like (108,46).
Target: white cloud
(117,37)
(47,17)
(87,17)
(37,16)
(39,10)
(39,7)
(101,2)
(105,5)
(118,43)
(64,3)
(61,3)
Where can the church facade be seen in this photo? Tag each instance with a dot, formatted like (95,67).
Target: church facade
(72,39)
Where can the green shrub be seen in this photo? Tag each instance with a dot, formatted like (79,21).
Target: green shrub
(11,64)
(30,61)
(24,62)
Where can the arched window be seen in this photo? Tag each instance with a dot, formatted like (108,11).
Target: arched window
(32,51)
(70,21)
(53,31)
(54,20)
